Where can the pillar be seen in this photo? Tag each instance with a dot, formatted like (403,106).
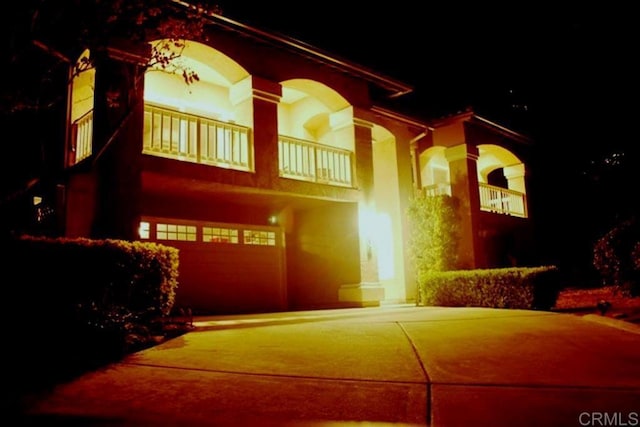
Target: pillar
(117,143)
(368,291)
(463,173)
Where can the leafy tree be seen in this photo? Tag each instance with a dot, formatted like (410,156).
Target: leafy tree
(434,240)
(616,256)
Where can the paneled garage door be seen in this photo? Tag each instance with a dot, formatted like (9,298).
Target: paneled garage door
(224,268)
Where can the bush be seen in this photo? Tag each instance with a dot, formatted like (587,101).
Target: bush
(616,256)
(433,245)
(140,276)
(88,298)
(519,288)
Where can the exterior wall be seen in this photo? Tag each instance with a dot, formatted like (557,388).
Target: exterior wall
(506,240)
(80,205)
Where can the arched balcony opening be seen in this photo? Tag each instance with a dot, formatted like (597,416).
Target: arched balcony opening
(316,138)
(501,181)
(81,110)
(208,120)
(434,172)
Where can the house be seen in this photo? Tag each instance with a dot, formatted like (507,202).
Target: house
(279,174)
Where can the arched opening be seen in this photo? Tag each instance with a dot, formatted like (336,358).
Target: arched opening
(316,133)
(81,109)
(434,171)
(501,178)
(206,121)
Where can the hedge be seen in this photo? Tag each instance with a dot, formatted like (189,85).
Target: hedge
(56,274)
(518,287)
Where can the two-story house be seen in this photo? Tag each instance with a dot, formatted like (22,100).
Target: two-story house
(278,174)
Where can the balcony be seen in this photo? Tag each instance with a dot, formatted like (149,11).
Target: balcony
(196,139)
(82,138)
(492,198)
(310,161)
(502,201)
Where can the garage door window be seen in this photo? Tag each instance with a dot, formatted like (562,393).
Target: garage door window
(186,233)
(259,237)
(219,235)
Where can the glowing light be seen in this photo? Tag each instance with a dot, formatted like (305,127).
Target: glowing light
(273,220)
(376,234)
(384,243)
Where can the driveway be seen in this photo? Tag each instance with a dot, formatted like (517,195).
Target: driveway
(395,365)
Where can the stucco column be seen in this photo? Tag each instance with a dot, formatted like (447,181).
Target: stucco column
(117,144)
(368,291)
(265,96)
(463,177)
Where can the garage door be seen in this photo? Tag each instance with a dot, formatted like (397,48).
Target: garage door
(224,268)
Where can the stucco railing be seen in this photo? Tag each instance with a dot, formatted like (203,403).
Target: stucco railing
(502,200)
(82,137)
(310,161)
(197,139)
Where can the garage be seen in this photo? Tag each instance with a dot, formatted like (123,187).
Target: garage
(224,267)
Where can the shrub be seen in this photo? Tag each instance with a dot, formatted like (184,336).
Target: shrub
(518,287)
(433,245)
(616,257)
(141,276)
(91,297)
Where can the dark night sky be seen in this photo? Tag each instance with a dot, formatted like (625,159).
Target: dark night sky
(573,68)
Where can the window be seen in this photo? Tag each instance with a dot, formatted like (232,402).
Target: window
(185,233)
(219,235)
(144,230)
(259,237)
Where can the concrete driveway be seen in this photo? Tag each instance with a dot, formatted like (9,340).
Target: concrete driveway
(396,365)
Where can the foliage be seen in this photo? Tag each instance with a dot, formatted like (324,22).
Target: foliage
(85,302)
(434,240)
(62,30)
(67,274)
(517,287)
(616,256)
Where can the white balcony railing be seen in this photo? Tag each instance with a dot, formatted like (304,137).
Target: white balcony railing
(492,198)
(502,200)
(192,138)
(440,189)
(82,138)
(310,161)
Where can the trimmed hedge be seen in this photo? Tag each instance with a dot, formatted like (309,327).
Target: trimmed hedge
(139,276)
(79,303)
(519,288)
